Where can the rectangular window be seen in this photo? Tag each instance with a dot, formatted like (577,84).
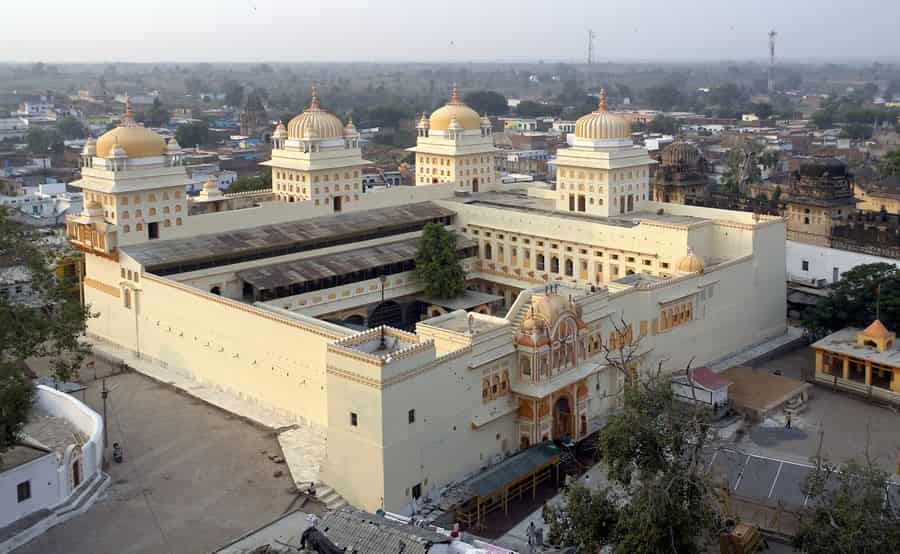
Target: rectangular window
(354,419)
(805,265)
(417,490)
(23,491)
(411,416)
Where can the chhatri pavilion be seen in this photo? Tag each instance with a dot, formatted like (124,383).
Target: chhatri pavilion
(863,360)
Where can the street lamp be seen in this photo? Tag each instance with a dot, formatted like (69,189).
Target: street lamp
(381,344)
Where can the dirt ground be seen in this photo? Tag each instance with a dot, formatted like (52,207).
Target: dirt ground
(193,478)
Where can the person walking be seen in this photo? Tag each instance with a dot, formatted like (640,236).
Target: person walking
(529,532)
(787,421)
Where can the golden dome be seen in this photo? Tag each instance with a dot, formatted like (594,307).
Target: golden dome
(690,263)
(315,122)
(465,116)
(601,124)
(210,184)
(138,142)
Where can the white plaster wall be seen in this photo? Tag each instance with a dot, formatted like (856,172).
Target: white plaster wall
(86,420)
(823,260)
(44,488)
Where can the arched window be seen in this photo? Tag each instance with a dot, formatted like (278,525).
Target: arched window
(167,223)
(137,213)
(177,221)
(126,298)
(485,389)
(152,211)
(126,229)
(125,214)
(165,209)
(504,382)
(488,252)
(495,386)
(569,267)
(539,262)
(554,265)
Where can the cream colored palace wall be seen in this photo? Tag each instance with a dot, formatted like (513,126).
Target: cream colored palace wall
(259,355)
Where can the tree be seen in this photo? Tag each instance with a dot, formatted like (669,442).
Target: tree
(437,263)
(853,298)
(70,128)
(529,108)
(252,182)
(663,124)
(655,451)
(663,96)
(192,134)
(234,93)
(48,326)
(763,110)
(741,167)
(857,131)
(890,163)
(585,519)
(42,141)
(487,102)
(850,511)
(156,116)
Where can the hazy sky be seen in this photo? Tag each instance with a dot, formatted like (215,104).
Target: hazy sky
(446,30)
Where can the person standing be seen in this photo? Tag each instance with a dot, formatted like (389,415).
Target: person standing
(787,421)
(529,532)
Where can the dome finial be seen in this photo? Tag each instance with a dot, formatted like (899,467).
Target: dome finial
(602,105)
(454,96)
(314,101)
(128,120)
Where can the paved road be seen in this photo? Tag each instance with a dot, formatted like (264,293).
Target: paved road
(194,478)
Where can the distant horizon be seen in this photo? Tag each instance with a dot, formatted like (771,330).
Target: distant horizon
(462,31)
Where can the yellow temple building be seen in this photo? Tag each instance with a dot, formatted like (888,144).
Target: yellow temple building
(861,360)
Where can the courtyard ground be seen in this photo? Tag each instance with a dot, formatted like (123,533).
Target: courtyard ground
(848,424)
(194,477)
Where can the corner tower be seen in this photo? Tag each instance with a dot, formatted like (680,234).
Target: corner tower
(604,173)
(456,145)
(317,158)
(134,189)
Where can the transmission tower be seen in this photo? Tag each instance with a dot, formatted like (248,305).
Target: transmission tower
(772,35)
(591,36)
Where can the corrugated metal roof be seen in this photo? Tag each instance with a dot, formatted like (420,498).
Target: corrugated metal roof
(272,240)
(363,532)
(339,263)
(512,469)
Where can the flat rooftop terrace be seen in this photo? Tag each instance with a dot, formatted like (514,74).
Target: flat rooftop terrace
(167,257)
(519,200)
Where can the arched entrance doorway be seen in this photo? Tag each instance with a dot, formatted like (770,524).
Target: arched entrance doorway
(562,418)
(386,313)
(216,291)
(475,184)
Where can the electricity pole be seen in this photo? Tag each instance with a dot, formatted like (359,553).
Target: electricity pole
(104,392)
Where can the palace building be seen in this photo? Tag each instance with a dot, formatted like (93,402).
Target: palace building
(303,298)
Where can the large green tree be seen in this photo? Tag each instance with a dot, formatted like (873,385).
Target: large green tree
(49,324)
(850,512)
(70,128)
(437,263)
(487,102)
(654,452)
(890,163)
(247,183)
(43,141)
(156,116)
(192,134)
(852,302)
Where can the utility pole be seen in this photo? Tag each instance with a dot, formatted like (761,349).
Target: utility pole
(590,56)
(772,35)
(104,393)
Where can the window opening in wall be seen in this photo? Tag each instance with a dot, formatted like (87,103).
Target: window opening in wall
(354,419)
(417,490)
(805,265)
(23,491)
(411,416)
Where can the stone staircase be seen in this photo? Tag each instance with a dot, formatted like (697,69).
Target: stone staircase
(518,311)
(329,497)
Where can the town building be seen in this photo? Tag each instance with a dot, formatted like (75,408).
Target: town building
(864,361)
(54,472)
(253,120)
(303,298)
(681,173)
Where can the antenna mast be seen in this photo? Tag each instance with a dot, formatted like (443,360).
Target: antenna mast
(772,35)
(590,56)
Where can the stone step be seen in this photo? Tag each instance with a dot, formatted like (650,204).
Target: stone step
(329,497)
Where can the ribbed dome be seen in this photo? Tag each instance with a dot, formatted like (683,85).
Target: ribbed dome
(138,142)
(680,153)
(690,263)
(315,122)
(280,131)
(467,118)
(601,124)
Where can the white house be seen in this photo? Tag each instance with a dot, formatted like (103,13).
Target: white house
(708,387)
(55,472)
(809,262)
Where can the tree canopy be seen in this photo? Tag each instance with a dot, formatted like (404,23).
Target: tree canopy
(487,102)
(853,298)
(890,163)
(663,124)
(70,128)
(437,263)
(252,182)
(529,108)
(849,513)
(43,141)
(49,326)
(156,116)
(663,96)
(192,134)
